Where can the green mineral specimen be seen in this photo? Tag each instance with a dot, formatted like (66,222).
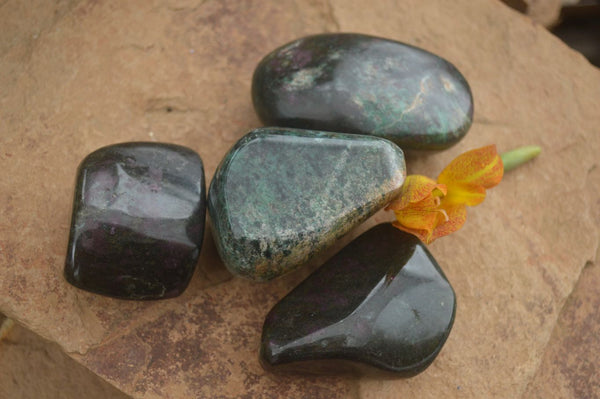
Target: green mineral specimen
(361,84)
(281,196)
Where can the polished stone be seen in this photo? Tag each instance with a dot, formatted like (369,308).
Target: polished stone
(281,196)
(138,221)
(381,304)
(355,83)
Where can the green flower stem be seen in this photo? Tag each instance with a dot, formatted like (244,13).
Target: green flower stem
(513,158)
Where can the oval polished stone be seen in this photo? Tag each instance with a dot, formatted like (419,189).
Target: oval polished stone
(281,196)
(355,83)
(381,304)
(138,221)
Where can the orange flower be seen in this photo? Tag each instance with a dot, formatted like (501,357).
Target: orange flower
(430,209)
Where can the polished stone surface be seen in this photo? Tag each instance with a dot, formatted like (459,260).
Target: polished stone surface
(281,196)
(355,83)
(381,304)
(138,221)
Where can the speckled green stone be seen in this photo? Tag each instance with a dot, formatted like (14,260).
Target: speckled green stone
(281,196)
(361,84)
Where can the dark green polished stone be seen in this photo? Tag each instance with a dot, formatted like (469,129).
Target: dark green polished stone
(361,84)
(381,304)
(138,221)
(281,196)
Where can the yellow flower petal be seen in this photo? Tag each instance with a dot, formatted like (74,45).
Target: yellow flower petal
(414,189)
(480,167)
(420,215)
(421,234)
(462,194)
(457,215)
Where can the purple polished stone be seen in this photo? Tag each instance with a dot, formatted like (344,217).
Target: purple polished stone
(138,221)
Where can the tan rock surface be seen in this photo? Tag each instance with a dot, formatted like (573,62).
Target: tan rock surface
(78,75)
(545,12)
(31,367)
(570,365)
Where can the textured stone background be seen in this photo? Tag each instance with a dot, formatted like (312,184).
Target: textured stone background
(77,75)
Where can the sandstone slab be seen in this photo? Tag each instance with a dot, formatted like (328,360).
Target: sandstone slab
(80,75)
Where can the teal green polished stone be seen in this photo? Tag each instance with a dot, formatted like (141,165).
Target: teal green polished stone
(280,196)
(355,83)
